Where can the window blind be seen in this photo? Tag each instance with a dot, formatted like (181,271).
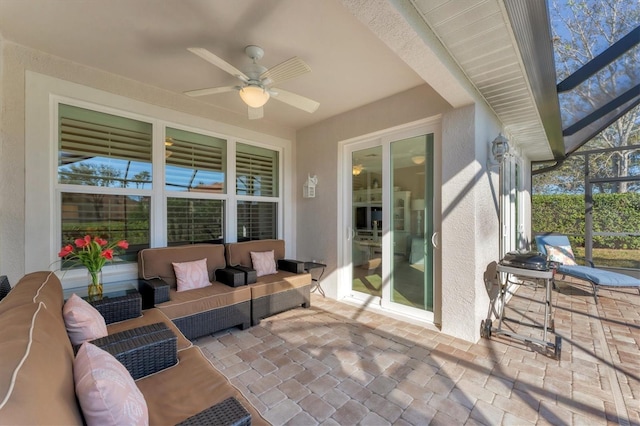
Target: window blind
(257,220)
(101,149)
(256,171)
(195,162)
(192,221)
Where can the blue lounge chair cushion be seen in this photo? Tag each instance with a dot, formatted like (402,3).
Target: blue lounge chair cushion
(599,276)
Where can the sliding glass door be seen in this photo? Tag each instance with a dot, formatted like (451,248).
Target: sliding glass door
(390,219)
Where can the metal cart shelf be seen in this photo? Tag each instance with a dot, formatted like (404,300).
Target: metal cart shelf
(487,329)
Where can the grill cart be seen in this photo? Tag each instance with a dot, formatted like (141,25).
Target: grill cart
(528,266)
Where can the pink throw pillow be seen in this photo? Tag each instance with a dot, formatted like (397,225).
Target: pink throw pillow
(82,320)
(107,393)
(263,262)
(190,275)
(561,254)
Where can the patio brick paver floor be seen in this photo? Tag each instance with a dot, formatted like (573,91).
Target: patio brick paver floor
(335,364)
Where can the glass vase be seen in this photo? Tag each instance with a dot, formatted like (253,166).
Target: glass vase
(94,291)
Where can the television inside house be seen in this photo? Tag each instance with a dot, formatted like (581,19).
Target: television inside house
(365,216)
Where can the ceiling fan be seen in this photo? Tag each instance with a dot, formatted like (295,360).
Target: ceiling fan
(256,89)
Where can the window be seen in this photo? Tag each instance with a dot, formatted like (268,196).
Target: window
(107,186)
(257,176)
(196,167)
(98,153)
(191,221)
(257,221)
(195,162)
(256,171)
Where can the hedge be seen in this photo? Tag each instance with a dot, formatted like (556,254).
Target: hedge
(612,213)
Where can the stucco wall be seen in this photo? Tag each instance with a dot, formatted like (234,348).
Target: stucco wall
(468,232)
(15,61)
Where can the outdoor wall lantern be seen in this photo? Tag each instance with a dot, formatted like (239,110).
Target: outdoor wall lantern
(499,148)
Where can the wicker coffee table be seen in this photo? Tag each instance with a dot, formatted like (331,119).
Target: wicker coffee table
(119,301)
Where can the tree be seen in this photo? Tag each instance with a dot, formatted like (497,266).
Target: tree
(582,29)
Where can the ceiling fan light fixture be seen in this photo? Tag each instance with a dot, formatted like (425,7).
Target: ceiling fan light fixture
(418,159)
(357,169)
(254,96)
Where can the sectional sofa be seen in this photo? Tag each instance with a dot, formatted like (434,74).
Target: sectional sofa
(37,366)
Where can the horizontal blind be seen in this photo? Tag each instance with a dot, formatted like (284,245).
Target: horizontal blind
(195,162)
(256,171)
(191,221)
(257,220)
(95,145)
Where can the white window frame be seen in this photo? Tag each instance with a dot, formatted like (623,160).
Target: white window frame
(42,190)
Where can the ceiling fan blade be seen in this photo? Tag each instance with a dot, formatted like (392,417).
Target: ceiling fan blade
(305,104)
(255,113)
(218,62)
(211,91)
(291,68)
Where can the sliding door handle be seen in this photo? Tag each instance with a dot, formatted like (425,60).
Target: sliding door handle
(434,240)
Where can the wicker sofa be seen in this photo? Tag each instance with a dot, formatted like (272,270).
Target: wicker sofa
(289,288)
(36,366)
(220,306)
(196,312)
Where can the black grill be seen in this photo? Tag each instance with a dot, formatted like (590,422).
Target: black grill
(532,260)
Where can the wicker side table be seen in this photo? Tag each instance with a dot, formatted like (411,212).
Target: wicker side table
(119,301)
(118,308)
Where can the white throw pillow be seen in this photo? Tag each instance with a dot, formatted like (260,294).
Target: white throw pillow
(107,393)
(190,275)
(263,262)
(82,320)
(561,254)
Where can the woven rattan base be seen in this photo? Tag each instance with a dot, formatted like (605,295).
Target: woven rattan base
(208,322)
(264,307)
(226,413)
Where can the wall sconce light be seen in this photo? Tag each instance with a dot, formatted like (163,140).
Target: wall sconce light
(357,169)
(309,187)
(499,148)
(418,159)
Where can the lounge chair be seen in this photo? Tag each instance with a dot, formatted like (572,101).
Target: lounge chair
(557,248)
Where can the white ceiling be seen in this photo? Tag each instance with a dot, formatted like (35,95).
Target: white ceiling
(147,40)
(360,51)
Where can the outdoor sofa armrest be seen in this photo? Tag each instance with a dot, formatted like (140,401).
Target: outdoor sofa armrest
(153,291)
(227,412)
(289,265)
(143,350)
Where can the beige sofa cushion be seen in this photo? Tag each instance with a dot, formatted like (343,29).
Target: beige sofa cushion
(44,359)
(206,387)
(240,253)
(277,283)
(187,303)
(157,262)
(43,286)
